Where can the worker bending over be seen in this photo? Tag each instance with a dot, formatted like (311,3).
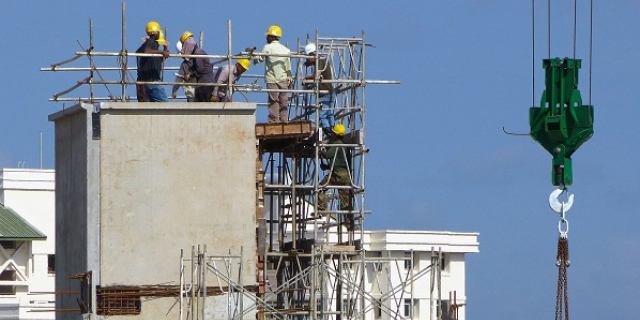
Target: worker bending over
(202,69)
(222,77)
(185,67)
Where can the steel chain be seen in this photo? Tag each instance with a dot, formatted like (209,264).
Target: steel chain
(562,297)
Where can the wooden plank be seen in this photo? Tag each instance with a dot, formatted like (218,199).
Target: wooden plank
(284,130)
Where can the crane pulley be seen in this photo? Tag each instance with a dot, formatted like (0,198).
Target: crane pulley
(562,123)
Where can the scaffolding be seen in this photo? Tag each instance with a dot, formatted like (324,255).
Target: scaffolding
(310,253)
(311,262)
(345,294)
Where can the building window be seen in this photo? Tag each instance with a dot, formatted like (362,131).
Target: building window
(378,308)
(8,275)
(407,307)
(444,305)
(407,260)
(8,244)
(51,264)
(443,262)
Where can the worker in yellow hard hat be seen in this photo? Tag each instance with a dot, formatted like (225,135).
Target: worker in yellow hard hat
(185,36)
(150,67)
(222,77)
(337,157)
(277,73)
(201,70)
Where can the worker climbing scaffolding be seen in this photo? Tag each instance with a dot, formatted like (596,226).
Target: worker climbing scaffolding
(561,124)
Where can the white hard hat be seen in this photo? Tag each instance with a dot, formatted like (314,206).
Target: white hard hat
(310,48)
(179,46)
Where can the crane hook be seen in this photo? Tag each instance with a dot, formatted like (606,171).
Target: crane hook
(556,205)
(561,208)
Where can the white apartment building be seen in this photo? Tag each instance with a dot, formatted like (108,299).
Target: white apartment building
(415,270)
(27,253)
(409,274)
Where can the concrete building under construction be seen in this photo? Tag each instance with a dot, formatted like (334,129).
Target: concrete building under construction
(195,211)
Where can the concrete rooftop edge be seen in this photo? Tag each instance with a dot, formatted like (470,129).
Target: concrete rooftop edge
(179,107)
(192,106)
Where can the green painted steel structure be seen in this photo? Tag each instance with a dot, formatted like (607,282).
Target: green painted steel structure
(14,227)
(562,123)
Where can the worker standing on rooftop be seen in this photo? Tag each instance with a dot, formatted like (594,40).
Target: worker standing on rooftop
(277,73)
(338,170)
(185,67)
(323,73)
(150,68)
(222,77)
(201,70)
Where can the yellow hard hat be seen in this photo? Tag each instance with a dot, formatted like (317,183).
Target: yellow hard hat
(339,129)
(274,31)
(185,35)
(153,27)
(244,63)
(161,40)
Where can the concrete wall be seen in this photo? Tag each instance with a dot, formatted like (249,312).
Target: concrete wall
(162,177)
(74,153)
(172,178)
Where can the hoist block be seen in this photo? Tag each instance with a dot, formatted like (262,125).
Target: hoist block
(562,123)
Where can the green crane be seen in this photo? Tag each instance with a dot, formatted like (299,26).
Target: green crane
(562,123)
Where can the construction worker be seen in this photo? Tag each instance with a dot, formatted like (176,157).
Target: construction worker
(338,170)
(277,73)
(325,99)
(222,76)
(150,68)
(185,67)
(201,69)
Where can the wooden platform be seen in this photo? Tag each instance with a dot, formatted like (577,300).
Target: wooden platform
(293,136)
(293,129)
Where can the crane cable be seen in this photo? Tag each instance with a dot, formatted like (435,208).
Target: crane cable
(590,45)
(575,28)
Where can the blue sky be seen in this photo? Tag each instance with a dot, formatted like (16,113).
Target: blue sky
(439,159)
